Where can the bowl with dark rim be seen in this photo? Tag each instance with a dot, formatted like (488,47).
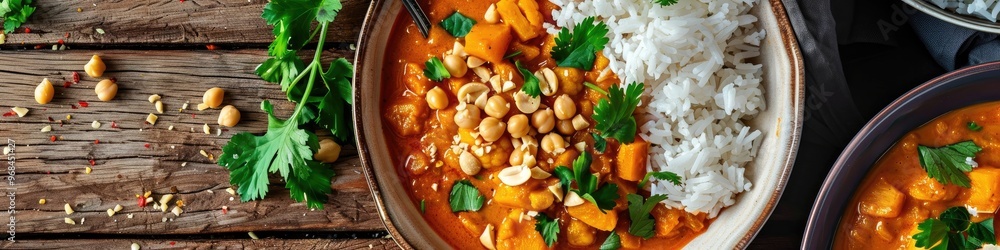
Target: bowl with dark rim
(946,93)
(735,227)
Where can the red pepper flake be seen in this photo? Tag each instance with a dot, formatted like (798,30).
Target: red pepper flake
(67,34)
(83,104)
(66,84)
(172,243)
(53,138)
(114,125)
(192,116)
(225,210)
(147,145)
(9,113)
(27,30)
(211,47)
(92,162)
(38,46)
(114,80)
(72,106)
(50,119)
(61,42)
(97,141)
(76,77)
(142,200)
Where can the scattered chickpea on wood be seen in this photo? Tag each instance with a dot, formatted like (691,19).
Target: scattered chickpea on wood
(329,151)
(213,97)
(44,92)
(95,68)
(229,116)
(106,90)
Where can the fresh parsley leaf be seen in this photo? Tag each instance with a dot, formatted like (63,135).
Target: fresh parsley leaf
(530,81)
(604,197)
(328,10)
(600,144)
(284,149)
(333,110)
(565,176)
(664,175)
(423,207)
(974,127)
(587,184)
(614,113)
(457,24)
(947,164)
(281,69)
(579,48)
(465,197)
(638,211)
(953,229)
(548,227)
(435,70)
(15,13)
(613,242)
(665,2)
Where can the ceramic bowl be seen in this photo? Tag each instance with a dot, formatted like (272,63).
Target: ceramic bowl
(955,90)
(735,226)
(971,22)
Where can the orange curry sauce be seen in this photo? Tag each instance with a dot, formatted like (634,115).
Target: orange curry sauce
(429,172)
(897,194)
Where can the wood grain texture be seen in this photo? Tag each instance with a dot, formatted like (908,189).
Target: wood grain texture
(203,244)
(124,166)
(165,22)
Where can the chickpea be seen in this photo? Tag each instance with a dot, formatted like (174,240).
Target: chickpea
(517,126)
(516,157)
(570,79)
(436,98)
(106,90)
(328,151)
(564,107)
(229,116)
(497,107)
(44,92)
(491,129)
(455,65)
(565,127)
(543,120)
(95,68)
(467,118)
(213,97)
(552,142)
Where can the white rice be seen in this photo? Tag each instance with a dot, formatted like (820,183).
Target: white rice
(700,90)
(986,9)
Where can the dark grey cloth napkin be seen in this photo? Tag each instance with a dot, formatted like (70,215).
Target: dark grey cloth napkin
(954,46)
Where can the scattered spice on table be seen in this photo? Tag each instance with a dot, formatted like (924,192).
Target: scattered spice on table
(83,104)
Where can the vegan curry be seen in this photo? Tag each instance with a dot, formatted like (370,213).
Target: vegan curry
(502,148)
(936,187)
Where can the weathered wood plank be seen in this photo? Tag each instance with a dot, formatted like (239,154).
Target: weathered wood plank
(124,166)
(203,244)
(165,22)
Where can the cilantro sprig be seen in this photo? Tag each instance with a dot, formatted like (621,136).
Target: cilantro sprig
(321,98)
(665,2)
(587,183)
(530,81)
(953,229)
(613,242)
(614,114)
(578,49)
(948,164)
(638,211)
(663,175)
(435,70)
(974,127)
(457,25)
(15,13)
(548,227)
(465,197)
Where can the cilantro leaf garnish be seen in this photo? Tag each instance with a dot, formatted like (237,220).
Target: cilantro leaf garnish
(974,127)
(587,184)
(15,13)
(664,175)
(548,227)
(948,164)
(953,229)
(665,2)
(579,48)
(423,206)
(465,197)
(530,81)
(613,242)
(600,144)
(435,70)
(614,113)
(287,147)
(457,24)
(638,211)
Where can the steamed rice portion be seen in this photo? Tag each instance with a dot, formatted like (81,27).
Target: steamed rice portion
(986,9)
(699,88)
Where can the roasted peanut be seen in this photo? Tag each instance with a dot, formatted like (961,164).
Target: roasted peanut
(455,65)
(467,116)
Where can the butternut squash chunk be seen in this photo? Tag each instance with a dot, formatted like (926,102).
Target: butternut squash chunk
(514,197)
(579,233)
(927,189)
(632,159)
(532,13)
(413,77)
(488,41)
(406,116)
(511,14)
(983,194)
(517,234)
(590,214)
(883,200)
